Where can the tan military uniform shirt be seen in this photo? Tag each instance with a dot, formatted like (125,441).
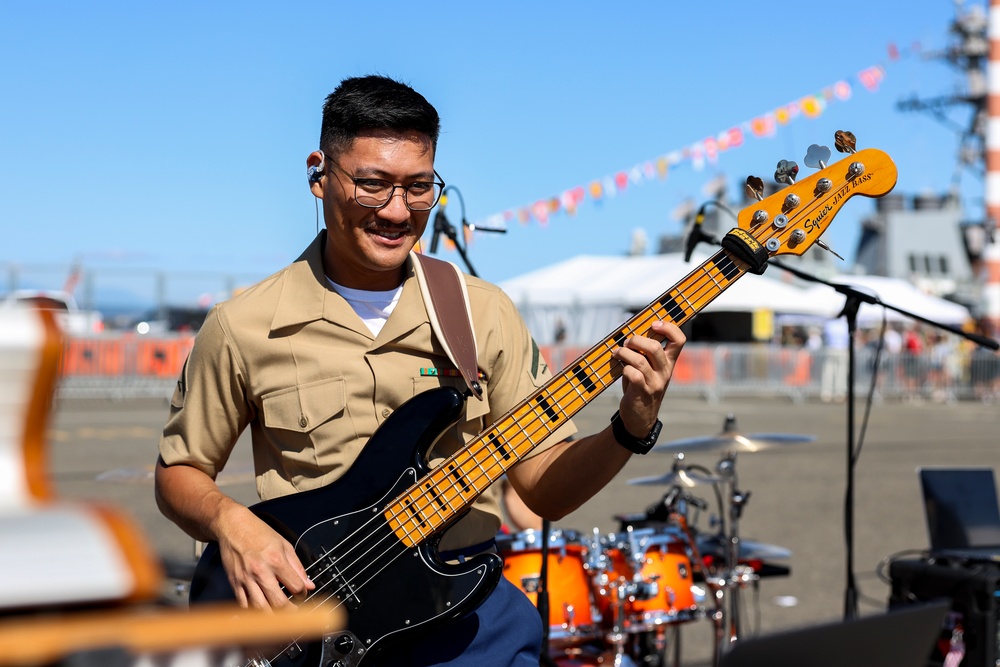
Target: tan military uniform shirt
(292,361)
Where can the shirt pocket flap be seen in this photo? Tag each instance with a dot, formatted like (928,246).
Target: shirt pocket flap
(304,407)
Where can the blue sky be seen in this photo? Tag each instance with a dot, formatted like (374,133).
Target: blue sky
(173,136)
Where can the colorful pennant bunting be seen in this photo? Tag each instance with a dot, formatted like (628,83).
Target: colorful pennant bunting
(699,153)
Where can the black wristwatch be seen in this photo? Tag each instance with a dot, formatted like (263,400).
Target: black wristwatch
(629,441)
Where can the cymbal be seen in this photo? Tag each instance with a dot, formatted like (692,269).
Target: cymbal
(733,441)
(749,549)
(678,477)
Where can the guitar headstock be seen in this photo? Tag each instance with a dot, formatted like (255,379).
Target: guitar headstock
(791,220)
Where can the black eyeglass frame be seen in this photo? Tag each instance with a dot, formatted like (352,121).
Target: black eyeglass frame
(392,192)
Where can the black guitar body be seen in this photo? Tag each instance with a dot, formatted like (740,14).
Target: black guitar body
(348,549)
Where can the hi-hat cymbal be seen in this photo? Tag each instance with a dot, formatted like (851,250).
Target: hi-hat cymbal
(676,477)
(733,441)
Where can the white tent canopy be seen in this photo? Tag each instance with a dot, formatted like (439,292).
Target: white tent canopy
(591,295)
(892,292)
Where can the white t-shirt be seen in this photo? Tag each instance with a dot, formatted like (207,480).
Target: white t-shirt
(372,307)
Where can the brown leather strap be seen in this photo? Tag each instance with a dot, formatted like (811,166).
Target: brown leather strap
(447,303)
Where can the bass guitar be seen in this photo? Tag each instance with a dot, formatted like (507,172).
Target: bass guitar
(369,540)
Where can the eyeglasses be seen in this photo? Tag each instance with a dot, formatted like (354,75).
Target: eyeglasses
(376,193)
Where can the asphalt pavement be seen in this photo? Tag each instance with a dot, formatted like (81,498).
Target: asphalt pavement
(104,450)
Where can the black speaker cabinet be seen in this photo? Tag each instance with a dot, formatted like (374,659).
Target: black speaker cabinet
(973,590)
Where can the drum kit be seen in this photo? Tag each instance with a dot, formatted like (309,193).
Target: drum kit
(620,598)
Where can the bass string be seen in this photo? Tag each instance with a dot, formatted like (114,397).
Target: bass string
(605,360)
(706,281)
(353,582)
(700,283)
(562,383)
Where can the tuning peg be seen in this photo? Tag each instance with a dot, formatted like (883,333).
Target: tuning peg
(755,187)
(817,156)
(845,141)
(786,172)
(824,246)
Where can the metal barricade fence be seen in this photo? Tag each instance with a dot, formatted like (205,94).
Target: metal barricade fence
(713,371)
(127,366)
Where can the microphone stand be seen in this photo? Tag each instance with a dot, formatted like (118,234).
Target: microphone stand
(854,299)
(442,226)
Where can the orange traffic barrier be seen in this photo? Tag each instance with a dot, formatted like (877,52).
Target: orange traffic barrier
(694,366)
(93,356)
(161,358)
(799,363)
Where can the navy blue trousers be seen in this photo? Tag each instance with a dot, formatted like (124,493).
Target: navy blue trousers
(505,631)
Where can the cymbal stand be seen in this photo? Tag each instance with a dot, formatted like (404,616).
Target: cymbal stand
(734,576)
(679,516)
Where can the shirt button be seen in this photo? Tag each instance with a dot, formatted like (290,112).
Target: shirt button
(302,421)
(386,412)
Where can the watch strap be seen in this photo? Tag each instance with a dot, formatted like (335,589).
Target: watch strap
(629,441)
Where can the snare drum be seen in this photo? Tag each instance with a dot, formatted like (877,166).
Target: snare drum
(573,616)
(666,563)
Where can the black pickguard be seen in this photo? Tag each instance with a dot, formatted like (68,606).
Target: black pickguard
(387,589)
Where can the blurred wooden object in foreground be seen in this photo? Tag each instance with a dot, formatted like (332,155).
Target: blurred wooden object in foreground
(78,580)
(210,635)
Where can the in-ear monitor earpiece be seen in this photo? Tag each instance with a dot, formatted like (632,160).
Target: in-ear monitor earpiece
(314,173)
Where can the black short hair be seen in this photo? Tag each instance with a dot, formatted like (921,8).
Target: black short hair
(374,102)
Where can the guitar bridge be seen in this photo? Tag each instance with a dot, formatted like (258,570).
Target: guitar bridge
(338,584)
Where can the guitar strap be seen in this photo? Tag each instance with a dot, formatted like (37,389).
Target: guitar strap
(446,298)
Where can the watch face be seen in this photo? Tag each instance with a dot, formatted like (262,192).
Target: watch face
(654,434)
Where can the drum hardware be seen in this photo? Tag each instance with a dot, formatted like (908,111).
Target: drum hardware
(656,572)
(619,633)
(725,583)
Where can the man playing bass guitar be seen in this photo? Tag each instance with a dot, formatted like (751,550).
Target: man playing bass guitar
(314,359)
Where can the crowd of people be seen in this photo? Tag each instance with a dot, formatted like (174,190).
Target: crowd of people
(927,363)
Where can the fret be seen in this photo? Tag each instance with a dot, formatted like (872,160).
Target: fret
(485,473)
(673,301)
(411,523)
(456,473)
(620,337)
(660,311)
(577,388)
(499,446)
(584,378)
(468,478)
(547,408)
(711,276)
(489,451)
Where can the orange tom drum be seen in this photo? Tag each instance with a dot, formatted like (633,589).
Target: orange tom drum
(573,617)
(665,562)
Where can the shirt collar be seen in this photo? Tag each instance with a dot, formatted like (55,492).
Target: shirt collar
(307,297)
